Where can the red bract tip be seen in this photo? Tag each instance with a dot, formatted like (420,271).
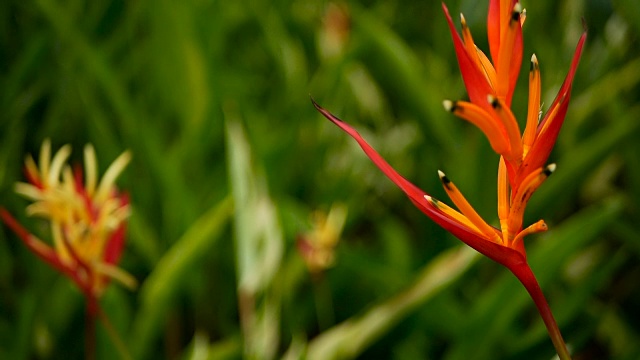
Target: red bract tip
(115,245)
(474,80)
(32,178)
(550,125)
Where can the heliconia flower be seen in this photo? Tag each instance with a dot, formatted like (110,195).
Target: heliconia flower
(87,217)
(335,33)
(490,87)
(490,90)
(521,170)
(317,247)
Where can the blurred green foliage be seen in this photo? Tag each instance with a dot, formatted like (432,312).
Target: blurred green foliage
(231,161)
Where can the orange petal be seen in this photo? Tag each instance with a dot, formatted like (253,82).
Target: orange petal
(503,198)
(491,127)
(467,210)
(550,125)
(476,83)
(511,127)
(533,107)
(522,195)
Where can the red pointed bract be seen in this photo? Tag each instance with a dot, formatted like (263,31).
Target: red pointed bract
(545,140)
(476,83)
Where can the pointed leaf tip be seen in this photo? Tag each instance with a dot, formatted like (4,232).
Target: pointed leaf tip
(327,114)
(315,104)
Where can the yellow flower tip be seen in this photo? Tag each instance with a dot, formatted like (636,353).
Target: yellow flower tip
(329,227)
(517,12)
(454,215)
(444,179)
(449,105)
(493,101)
(431,200)
(90,168)
(45,155)
(437,203)
(550,169)
(28,191)
(112,173)
(58,162)
(123,160)
(463,21)
(535,66)
(117,274)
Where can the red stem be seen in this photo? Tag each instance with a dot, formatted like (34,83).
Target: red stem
(523,272)
(47,254)
(90,328)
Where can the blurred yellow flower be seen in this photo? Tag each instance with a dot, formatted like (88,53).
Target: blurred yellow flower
(87,219)
(335,33)
(317,247)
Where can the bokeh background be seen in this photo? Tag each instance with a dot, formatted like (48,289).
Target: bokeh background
(232,168)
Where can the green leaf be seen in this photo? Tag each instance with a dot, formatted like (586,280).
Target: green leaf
(165,282)
(400,61)
(259,246)
(350,338)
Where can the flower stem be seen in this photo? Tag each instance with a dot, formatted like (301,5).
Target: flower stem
(90,328)
(523,272)
(324,302)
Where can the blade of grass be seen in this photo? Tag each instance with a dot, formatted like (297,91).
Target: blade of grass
(164,283)
(259,246)
(350,338)
(148,148)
